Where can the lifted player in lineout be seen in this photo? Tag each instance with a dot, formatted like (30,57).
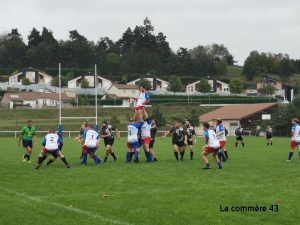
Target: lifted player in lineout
(142,100)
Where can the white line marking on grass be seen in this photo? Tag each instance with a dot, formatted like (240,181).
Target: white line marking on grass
(87,213)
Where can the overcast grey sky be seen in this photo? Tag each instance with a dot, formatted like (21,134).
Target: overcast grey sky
(242,26)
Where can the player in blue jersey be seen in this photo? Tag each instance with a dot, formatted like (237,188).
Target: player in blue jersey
(90,141)
(221,136)
(53,158)
(146,135)
(133,143)
(212,145)
(51,144)
(142,100)
(295,138)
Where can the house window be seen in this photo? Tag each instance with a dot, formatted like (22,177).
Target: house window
(192,89)
(13,80)
(252,91)
(133,92)
(44,102)
(53,102)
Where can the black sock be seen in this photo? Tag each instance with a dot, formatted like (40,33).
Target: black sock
(155,159)
(226,154)
(176,155)
(50,161)
(268,144)
(64,160)
(236,144)
(105,159)
(113,155)
(182,155)
(40,160)
(82,154)
(28,157)
(243,144)
(191,154)
(271,143)
(25,156)
(131,155)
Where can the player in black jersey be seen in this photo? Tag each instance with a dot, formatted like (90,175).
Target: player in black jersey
(106,133)
(189,134)
(177,140)
(153,134)
(239,136)
(269,136)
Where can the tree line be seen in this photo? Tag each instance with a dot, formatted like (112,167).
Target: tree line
(258,64)
(139,51)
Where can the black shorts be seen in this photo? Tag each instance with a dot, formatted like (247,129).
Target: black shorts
(178,143)
(109,142)
(27,143)
(269,136)
(190,143)
(151,144)
(239,138)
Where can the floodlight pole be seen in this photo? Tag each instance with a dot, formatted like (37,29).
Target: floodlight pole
(96,101)
(59,84)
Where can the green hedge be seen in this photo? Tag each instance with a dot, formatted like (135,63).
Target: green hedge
(214,101)
(77,72)
(106,101)
(200,97)
(2,92)
(184,80)
(6,71)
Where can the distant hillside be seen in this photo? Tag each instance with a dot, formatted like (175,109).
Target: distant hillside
(236,71)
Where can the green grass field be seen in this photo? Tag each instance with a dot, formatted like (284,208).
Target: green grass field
(166,192)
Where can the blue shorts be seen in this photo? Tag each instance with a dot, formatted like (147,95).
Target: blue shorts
(135,144)
(92,150)
(27,143)
(55,152)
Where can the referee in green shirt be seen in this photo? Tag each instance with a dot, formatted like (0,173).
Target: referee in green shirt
(28,132)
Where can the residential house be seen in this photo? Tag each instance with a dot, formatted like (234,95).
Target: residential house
(216,87)
(90,77)
(35,77)
(123,91)
(249,116)
(156,83)
(282,91)
(33,99)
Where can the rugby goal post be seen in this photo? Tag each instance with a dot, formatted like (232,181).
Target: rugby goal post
(60,127)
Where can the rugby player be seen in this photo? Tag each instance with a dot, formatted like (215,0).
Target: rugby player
(211,146)
(133,144)
(188,137)
(27,134)
(153,134)
(177,140)
(295,132)
(239,136)
(90,142)
(142,100)
(269,136)
(51,142)
(106,132)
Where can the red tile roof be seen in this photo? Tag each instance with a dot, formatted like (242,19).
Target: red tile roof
(19,96)
(235,111)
